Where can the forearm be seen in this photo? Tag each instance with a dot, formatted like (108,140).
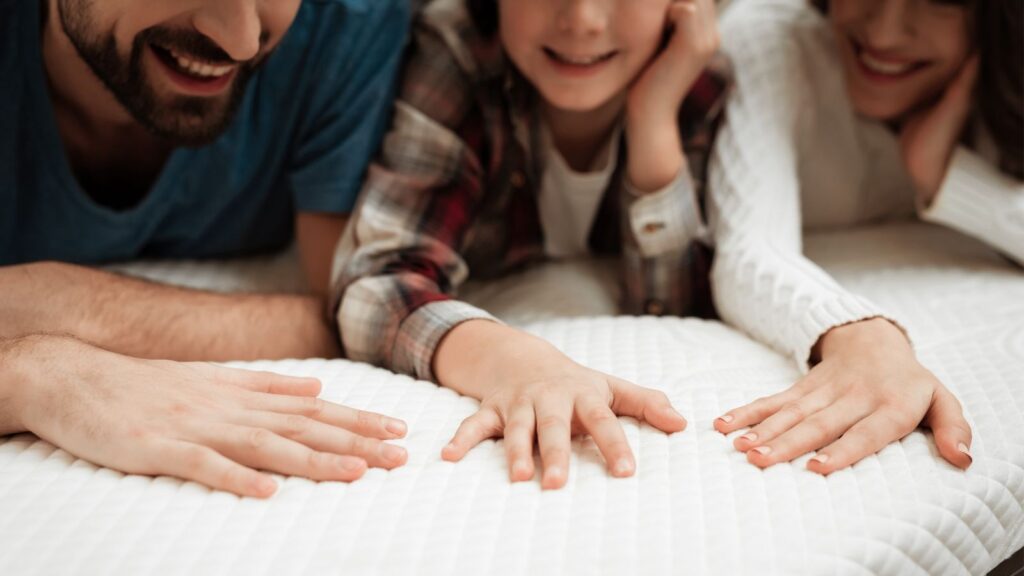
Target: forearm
(147,320)
(11,380)
(655,150)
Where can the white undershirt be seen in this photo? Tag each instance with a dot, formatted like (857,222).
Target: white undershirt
(569,200)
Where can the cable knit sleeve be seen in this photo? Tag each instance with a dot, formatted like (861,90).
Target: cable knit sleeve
(762,282)
(977,199)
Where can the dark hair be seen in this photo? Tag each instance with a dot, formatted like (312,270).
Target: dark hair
(485,16)
(998,31)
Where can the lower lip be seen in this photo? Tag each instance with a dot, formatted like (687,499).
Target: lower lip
(190,85)
(579,70)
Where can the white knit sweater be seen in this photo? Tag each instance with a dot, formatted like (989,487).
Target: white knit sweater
(793,155)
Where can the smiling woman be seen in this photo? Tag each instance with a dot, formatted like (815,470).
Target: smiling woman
(860,111)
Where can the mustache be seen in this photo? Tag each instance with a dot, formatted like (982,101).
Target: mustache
(195,44)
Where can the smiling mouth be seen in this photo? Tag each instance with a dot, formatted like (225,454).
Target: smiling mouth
(878,66)
(193,68)
(581,61)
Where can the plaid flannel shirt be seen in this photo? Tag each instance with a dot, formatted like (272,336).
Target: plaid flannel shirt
(455,188)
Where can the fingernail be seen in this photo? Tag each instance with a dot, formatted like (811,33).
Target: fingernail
(820,458)
(265,486)
(763,450)
(727,418)
(966,451)
(624,467)
(521,471)
(552,474)
(749,437)
(396,427)
(392,453)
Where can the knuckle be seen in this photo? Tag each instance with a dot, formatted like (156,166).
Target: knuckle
(312,407)
(598,415)
(295,425)
(551,423)
(258,439)
(194,459)
(818,430)
(316,460)
(794,411)
(367,421)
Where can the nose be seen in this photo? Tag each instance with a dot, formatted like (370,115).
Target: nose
(582,17)
(889,23)
(234,25)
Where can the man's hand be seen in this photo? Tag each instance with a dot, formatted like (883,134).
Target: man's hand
(929,138)
(200,422)
(868,391)
(652,130)
(531,390)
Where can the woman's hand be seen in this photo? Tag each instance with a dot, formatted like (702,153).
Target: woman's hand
(929,138)
(529,390)
(655,147)
(867,392)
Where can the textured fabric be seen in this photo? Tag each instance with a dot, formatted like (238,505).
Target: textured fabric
(977,199)
(454,193)
(792,155)
(695,507)
(305,131)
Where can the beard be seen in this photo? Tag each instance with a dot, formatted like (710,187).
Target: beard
(181,120)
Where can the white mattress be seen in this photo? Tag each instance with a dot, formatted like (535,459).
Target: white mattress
(695,506)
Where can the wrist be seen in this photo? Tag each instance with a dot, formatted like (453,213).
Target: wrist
(17,367)
(865,335)
(475,356)
(655,153)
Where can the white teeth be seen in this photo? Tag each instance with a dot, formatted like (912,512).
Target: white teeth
(581,60)
(882,67)
(197,68)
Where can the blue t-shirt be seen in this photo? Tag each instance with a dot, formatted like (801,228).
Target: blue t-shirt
(311,120)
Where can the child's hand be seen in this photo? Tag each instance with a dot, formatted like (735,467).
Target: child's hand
(528,389)
(929,138)
(868,391)
(655,148)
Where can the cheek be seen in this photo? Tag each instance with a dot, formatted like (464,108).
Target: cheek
(278,17)
(521,25)
(640,33)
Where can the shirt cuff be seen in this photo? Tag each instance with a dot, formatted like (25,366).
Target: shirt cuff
(422,331)
(665,220)
(979,200)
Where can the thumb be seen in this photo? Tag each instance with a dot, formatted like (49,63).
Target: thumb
(645,404)
(951,430)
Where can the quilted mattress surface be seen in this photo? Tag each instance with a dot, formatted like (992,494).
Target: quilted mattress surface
(694,507)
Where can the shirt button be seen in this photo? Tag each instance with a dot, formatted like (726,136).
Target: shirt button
(652,227)
(655,307)
(517,180)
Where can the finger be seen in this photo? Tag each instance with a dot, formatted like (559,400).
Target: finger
(483,425)
(357,421)
(788,416)
(952,432)
(811,433)
(956,103)
(262,449)
(865,438)
(602,425)
(206,466)
(519,441)
(266,382)
(554,438)
(758,410)
(325,438)
(646,405)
